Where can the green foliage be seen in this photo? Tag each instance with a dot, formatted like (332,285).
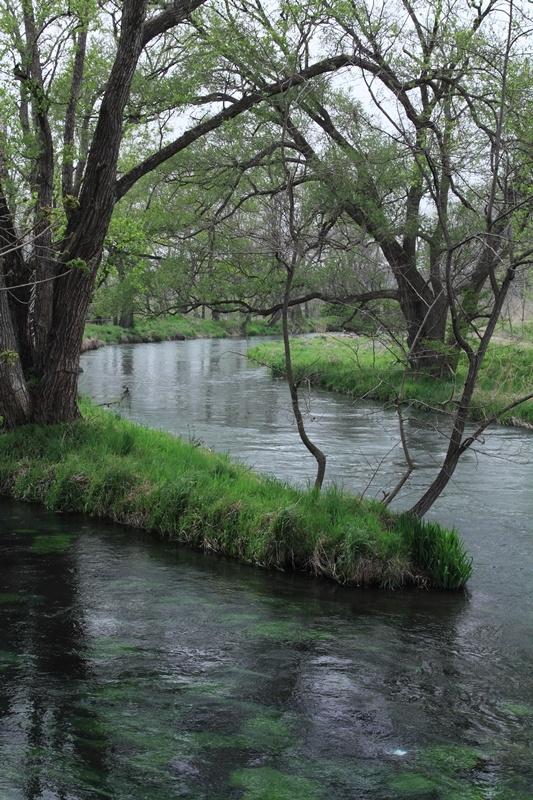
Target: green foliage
(108,467)
(78,263)
(163,329)
(8,357)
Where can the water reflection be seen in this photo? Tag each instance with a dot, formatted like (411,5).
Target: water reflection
(43,641)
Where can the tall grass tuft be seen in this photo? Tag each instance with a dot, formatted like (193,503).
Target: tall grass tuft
(108,467)
(439,552)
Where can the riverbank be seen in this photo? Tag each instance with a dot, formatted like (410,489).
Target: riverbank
(363,369)
(181,327)
(107,467)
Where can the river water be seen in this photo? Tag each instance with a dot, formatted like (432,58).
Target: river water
(131,668)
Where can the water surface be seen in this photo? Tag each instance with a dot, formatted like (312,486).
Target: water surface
(132,668)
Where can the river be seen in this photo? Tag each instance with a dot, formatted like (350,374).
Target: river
(131,668)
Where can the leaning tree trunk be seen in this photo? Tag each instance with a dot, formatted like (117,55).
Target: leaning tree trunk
(457,445)
(315,451)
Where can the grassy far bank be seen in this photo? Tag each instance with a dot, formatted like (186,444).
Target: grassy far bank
(108,467)
(181,326)
(360,368)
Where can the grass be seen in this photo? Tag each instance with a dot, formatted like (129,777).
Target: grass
(188,327)
(362,369)
(108,467)
(161,329)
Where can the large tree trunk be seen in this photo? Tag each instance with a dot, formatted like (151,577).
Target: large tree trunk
(56,397)
(54,320)
(15,355)
(424,306)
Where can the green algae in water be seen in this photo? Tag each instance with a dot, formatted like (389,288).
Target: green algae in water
(35,599)
(11,598)
(285,631)
(412,784)
(359,645)
(518,709)
(486,792)
(449,758)
(230,741)
(111,694)
(162,753)
(91,731)
(266,733)
(238,620)
(264,783)
(469,793)
(9,659)
(108,648)
(259,733)
(447,764)
(51,543)
(159,744)
(56,769)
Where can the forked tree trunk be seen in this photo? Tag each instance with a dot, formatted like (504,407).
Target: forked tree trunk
(424,307)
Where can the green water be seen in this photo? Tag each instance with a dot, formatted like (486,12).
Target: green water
(133,669)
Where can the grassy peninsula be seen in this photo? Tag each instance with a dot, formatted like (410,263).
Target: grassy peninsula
(359,367)
(107,467)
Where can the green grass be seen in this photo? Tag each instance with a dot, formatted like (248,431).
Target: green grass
(179,325)
(357,367)
(108,467)
(161,329)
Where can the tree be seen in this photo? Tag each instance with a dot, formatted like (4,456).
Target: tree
(43,314)
(463,180)
(415,157)
(82,70)
(435,179)
(398,170)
